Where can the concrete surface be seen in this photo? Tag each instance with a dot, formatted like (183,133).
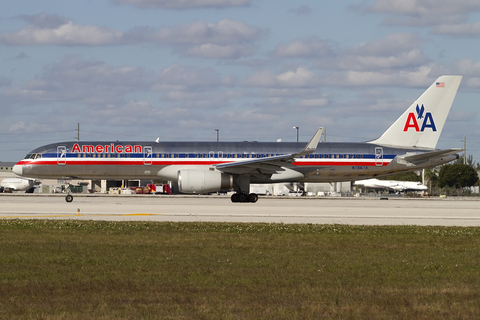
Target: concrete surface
(353,211)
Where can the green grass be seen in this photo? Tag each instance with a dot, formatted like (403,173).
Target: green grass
(130,270)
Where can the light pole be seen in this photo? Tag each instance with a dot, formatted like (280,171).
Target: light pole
(297,131)
(218,131)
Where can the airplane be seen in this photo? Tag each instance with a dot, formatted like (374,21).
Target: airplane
(204,167)
(397,186)
(18,184)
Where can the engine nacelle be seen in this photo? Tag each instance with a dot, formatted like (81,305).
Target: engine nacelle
(203,181)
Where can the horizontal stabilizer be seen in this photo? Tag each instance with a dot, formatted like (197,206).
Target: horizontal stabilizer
(422,157)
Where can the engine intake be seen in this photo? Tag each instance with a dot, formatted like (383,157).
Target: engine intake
(203,181)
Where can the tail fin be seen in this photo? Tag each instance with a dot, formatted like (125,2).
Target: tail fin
(420,126)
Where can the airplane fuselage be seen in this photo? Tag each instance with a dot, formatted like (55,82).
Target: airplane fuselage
(147,160)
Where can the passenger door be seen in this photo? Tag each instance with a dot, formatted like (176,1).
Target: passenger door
(379,156)
(147,156)
(61,155)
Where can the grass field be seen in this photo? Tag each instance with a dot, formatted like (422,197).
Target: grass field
(131,270)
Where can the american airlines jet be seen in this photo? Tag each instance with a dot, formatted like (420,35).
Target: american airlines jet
(203,167)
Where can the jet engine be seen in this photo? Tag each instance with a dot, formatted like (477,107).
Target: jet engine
(203,181)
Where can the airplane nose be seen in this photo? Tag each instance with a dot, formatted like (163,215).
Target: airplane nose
(18,169)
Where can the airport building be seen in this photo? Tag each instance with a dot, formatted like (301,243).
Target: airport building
(6,170)
(6,166)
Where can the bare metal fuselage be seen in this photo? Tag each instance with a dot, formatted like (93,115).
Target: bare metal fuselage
(146,160)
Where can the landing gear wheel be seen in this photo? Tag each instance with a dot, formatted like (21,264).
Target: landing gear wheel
(243,197)
(69,198)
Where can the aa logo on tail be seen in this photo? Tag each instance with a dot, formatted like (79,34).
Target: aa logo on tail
(412,121)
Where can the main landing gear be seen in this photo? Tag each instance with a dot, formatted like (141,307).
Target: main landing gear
(243,197)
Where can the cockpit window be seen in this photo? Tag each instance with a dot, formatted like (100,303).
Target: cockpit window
(33,156)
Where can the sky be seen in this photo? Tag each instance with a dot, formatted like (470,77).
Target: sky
(253,69)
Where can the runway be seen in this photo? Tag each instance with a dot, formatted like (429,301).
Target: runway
(352,211)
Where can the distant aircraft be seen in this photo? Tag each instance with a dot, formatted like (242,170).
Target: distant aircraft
(17,184)
(203,167)
(397,186)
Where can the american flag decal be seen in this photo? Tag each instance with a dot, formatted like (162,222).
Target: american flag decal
(440,84)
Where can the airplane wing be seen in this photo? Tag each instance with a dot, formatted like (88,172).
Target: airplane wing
(270,165)
(422,157)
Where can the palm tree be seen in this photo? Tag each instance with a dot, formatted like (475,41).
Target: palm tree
(432,177)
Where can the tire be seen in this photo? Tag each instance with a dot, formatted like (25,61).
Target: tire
(69,198)
(242,197)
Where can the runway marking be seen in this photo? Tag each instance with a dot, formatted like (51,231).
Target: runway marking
(206,215)
(47,216)
(82,215)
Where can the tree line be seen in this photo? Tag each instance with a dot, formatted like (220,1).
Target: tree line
(454,178)
(450,179)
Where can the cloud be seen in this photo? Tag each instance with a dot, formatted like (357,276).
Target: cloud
(396,51)
(21,55)
(213,51)
(318,102)
(185,4)
(306,48)
(100,94)
(53,30)
(424,12)
(96,85)
(301,10)
(124,114)
(78,81)
(4,82)
(458,30)
(186,78)
(45,21)
(199,32)
(300,77)
(227,39)
(419,78)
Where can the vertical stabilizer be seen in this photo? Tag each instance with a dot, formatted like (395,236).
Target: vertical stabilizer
(421,125)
